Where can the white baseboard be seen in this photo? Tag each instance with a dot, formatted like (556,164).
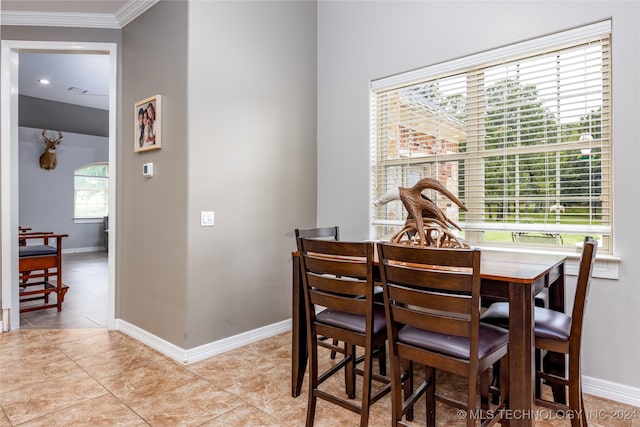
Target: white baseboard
(87,249)
(206,350)
(594,386)
(610,390)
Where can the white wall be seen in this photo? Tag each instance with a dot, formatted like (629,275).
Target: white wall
(46,196)
(360,41)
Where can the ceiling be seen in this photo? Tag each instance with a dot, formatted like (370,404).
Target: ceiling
(81,79)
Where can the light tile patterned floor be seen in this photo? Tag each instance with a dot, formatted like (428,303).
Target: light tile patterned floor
(93,377)
(51,375)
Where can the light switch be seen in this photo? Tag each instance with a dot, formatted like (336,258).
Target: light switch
(147,170)
(207,218)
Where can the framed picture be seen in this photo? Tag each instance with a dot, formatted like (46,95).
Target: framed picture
(148,124)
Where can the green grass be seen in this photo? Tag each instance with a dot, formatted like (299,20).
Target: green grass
(568,240)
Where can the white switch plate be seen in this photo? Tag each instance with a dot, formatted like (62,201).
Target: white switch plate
(147,170)
(207,218)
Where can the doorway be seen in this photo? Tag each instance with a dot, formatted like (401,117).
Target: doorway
(9,190)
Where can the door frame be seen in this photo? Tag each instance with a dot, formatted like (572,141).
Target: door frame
(9,55)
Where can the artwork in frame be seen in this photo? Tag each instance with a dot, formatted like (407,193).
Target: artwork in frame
(148,124)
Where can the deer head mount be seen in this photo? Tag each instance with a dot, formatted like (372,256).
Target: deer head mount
(48,159)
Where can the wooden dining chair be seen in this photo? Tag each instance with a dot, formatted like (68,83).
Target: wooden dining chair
(432,304)
(324,233)
(40,270)
(337,280)
(558,332)
(333,233)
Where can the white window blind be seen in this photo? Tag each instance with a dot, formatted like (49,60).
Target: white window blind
(521,134)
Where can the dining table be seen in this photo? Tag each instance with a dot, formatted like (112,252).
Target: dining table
(515,277)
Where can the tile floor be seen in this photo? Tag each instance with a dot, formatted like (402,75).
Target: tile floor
(85,305)
(51,375)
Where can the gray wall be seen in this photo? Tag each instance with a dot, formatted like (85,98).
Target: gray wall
(152,212)
(46,114)
(361,41)
(46,196)
(252,131)
(243,146)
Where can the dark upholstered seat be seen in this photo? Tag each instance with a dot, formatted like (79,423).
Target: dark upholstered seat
(351,321)
(36,250)
(490,338)
(548,323)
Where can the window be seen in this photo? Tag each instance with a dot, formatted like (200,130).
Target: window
(521,134)
(91,191)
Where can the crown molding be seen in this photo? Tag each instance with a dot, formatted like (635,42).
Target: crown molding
(123,16)
(132,10)
(59,19)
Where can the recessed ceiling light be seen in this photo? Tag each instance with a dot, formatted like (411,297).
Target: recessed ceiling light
(43,81)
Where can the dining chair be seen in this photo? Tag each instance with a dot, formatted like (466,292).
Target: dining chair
(333,233)
(337,280)
(558,332)
(324,233)
(432,304)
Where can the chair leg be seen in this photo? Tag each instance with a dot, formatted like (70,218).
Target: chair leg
(313,380)
(431,398)
(333,352)
(575,392)
(538,364)
(366,389)
(495,381)
(485,382)
(471,401)
(382,359)
(553,363)
(407,386)
(350,372)
(504,379)
(397,390)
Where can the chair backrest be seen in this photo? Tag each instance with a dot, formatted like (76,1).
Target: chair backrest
(336,275)
(583,284)
(326,233)
(433,289)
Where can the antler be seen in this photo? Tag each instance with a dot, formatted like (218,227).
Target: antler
(49,141)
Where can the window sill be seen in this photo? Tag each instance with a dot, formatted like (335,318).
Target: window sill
(606,266)
(87,220)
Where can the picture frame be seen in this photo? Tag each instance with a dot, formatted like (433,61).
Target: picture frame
(147,133)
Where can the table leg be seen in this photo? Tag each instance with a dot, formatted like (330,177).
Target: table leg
(521,355)
(298,331)
(555,363)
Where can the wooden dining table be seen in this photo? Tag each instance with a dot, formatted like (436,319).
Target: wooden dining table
(506,276)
